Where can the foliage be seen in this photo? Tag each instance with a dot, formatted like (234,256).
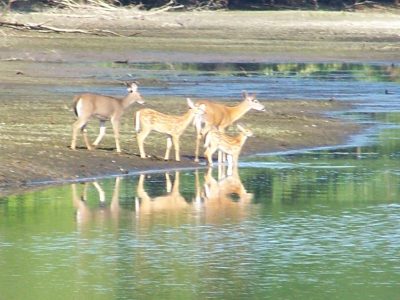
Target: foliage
(205,4)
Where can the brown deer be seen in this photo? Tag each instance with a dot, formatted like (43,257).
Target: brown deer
(148,120)
(103,108)
(230,145)
(221,116)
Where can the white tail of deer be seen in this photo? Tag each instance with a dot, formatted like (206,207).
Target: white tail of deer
(148,120)
(230,145)
(221,116)
(103,108)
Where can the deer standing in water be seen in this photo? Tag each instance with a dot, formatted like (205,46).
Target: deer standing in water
(148,120)
(103,108)
(221,116)
(230,145)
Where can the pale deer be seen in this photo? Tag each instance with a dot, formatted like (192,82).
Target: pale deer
(103,108)
(230,145)
(221,116)
(148,120)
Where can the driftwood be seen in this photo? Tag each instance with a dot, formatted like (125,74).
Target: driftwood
(45,28)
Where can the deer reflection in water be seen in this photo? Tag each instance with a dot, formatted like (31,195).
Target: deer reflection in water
(171,201)
(225,197)
(85,214)
(213,200)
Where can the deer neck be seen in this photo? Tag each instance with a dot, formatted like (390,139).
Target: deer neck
(242,139)
(128,100)
(236,112)
(187,118)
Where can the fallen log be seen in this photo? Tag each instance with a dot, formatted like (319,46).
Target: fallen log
(46,28)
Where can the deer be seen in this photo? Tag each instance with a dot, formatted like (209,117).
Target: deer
(230,145)
(103,108)
(148,120)
(221,116)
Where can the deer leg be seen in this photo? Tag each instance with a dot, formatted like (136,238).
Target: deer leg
(224,157)
(198,139)
(221,172)
(79,125)
(220,154)
(235,159)
(168,149)
(168,184)
(141,136)
(75,130)
(208,154)
(229,159)
(102,132)
(86,139)
(175,140)
(100,191)
(196,153)
(115,125)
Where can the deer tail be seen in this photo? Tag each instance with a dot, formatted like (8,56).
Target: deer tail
(75,104)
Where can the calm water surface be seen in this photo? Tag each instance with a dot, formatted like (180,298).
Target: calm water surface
(315,224)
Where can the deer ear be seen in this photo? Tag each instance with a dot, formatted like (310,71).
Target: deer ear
(244,94)
(133,86)
(240,127)
(190,102)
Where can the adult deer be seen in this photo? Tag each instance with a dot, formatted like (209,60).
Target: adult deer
(103,108)
(230,145)
(148,120)
(221,116)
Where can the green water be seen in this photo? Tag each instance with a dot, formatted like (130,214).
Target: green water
(321,224)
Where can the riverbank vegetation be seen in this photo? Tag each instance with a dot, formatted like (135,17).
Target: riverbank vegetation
(205,4)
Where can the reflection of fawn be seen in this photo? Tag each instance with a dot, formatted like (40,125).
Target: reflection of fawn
(173,200)
(230,145)
(85,214)
(228,187)
(225,197)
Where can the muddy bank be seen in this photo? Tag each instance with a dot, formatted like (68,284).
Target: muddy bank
(35,140)
(35,123)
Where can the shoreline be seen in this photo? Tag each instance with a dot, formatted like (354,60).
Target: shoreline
(36,121)
(53,167)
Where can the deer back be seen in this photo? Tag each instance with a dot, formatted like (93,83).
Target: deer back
(226,143)
(96,105)
(216,114)
(163,123)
